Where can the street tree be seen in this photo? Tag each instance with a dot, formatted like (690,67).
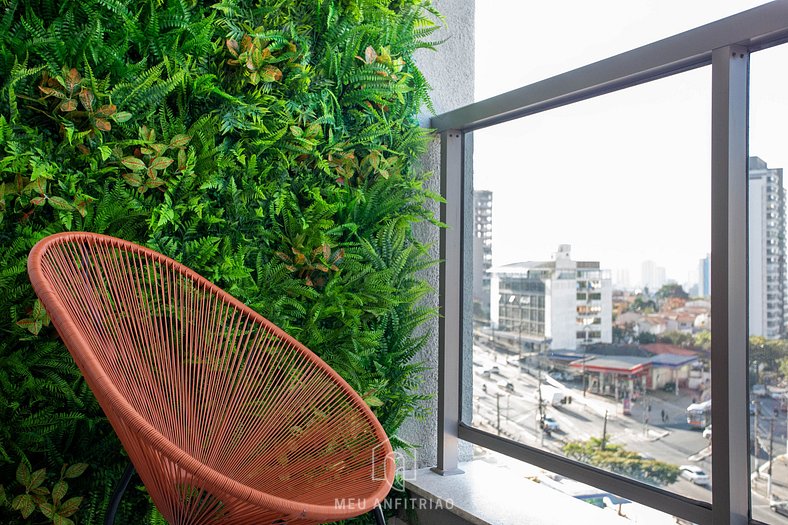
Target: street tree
(615,458)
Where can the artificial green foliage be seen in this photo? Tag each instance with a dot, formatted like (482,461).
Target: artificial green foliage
(271,146)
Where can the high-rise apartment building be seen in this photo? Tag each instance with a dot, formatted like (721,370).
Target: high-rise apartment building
(482,250)
(766,250)
(704,277)
(560,303)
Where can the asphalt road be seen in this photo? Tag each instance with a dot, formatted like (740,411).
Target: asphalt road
(675,442)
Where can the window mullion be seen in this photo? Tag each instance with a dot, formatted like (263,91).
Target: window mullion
(730,503)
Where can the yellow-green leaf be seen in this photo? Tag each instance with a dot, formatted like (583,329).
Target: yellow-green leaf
(59,203)
(121,116)
(75,470)
(133,163)
(160,163)
(179,141)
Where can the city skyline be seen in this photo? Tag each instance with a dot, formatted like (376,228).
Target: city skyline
(633,165)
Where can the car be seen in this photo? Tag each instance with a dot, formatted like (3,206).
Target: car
(694,474)
(494,370)
(753,407)
(506,385)
(486,373)
(549,423)
(707,432)
(670,386)
(759,390)
(780,507)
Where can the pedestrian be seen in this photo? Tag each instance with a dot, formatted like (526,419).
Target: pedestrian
(662,415)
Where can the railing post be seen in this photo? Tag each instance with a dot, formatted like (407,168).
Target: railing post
(450,302)
(729,190)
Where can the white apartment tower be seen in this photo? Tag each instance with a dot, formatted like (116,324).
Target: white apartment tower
(482,250)
(766,250)
(561,302)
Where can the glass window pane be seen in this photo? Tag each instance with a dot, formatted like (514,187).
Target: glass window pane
(768,349)
(591,307)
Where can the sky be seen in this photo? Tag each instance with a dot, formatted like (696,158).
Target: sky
(624,177)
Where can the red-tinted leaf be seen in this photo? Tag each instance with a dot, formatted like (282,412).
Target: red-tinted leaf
(160,163)
(68,105)
(87,98)
(370,55)
(23,471)
(107,110)
(38,201)
(59,203)
(52,92)
(133,163)
(159,148)
(37,478)
(24,504)
(154,183)
(75,470)
(270,74)
(58,491)
(103,124)
(72,80)
(133,178)
(232,47)
(179,141)
(47,509)
(182,159)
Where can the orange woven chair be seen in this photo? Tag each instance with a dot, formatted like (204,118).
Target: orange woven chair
(226,418)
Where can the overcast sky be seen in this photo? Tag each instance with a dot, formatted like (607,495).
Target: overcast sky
(625,177)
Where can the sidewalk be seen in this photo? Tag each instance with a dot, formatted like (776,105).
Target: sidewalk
(760,484)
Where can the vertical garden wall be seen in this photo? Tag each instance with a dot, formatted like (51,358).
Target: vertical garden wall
(269,145)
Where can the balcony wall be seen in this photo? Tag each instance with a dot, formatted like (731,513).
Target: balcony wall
(450,72)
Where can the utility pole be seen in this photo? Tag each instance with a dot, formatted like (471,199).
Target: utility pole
(498,406)
(771,460)
(755,441)
(604,433)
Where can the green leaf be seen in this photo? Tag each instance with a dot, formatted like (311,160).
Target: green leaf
(58,491)
(133,163)
(270,74)
(135,179)
(120,116)
(47,509)
(59,203)
(24,504)
(69,507)
(105,152)
(59,519)
(75,470)
(160,163)
(179,141)
(373,401)
(23,474)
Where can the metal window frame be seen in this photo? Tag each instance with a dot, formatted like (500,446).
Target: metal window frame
(725,45)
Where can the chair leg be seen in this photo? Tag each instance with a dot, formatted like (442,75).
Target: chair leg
(114,503)
(377,513)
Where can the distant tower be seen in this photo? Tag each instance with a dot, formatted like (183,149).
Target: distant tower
(766,250)
(482,251)
(704,276)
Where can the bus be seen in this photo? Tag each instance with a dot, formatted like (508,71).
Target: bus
(699,414)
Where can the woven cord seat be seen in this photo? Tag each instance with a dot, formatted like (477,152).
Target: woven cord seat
(227,419)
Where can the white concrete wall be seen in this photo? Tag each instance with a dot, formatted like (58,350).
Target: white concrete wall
(757,264)
(563,314)
(450,72)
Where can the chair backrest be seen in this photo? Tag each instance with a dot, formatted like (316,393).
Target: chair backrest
(214,385)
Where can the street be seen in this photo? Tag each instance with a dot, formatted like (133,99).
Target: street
(506,400)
